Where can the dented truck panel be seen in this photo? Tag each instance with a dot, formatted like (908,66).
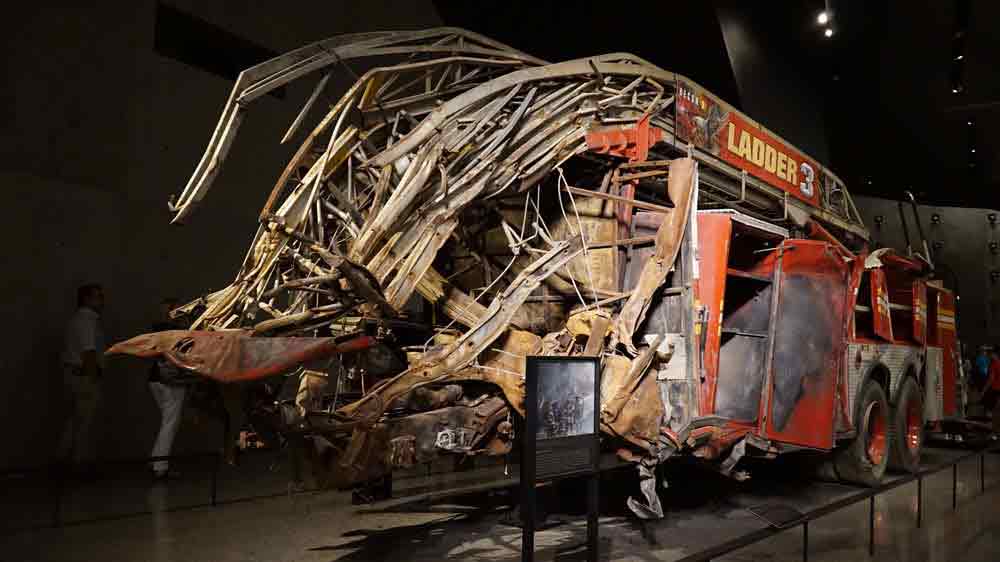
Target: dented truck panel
(464,205)
(808,336)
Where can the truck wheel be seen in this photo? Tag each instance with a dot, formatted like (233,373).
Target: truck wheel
(907,428)
(865,459)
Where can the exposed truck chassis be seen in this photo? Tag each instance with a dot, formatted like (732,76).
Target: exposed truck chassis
(542,209)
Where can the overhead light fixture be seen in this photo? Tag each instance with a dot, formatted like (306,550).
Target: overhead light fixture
(823,18)
(828,32)
(960,57)
(969,122)
(973,150)
(954,90)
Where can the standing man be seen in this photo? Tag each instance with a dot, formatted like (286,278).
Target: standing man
(982,369)
(83,361)
(169,396)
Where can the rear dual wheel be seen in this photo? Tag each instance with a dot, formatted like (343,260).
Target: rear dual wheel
(907,427)
(865,459)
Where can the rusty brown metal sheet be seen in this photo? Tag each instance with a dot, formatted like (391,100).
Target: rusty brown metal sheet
(680,188)
(235,355)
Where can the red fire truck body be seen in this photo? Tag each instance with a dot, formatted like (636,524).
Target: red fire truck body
(811,339)
(798,333)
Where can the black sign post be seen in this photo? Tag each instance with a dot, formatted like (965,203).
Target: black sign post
(562,405)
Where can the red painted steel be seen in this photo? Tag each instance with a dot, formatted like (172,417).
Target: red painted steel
(714,232)
(948,338)
(810,421)
(629,142)
(920,311)
(880,305)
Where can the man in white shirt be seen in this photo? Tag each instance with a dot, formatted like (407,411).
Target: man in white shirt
(83,360)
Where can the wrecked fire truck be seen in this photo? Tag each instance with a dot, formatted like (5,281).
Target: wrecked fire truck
(464,205)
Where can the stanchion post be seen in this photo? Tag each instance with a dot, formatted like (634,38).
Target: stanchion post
(920,500)
(215,477)
(593,498)
(805,541)
(954,486)
(871,526)
(982,472)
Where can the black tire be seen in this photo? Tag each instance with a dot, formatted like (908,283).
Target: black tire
(866,458)
(907,428)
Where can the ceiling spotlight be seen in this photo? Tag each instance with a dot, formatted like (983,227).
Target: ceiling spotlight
(960,57)
(969,122)
(973,150)
(822,18)
(828,32)
(954,90)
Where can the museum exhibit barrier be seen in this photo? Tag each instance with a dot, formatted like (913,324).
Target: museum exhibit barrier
(48,492)
(52,485)
(210,484)
(803,519)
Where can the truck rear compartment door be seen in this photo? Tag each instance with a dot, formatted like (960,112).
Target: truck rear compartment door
(807,339)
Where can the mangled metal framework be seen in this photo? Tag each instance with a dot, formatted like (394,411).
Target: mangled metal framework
(504,193)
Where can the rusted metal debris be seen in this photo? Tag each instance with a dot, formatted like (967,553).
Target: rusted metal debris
(233,356)
(486,195)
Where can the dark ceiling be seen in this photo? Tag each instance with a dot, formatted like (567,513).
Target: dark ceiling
(874,101)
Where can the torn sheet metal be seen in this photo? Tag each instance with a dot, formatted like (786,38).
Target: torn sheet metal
(464,205)
(234,355)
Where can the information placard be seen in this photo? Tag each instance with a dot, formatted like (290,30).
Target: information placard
(562,414)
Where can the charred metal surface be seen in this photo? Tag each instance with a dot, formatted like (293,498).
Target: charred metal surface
(804,341)
(460,207)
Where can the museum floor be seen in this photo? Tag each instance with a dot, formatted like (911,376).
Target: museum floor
(325,527)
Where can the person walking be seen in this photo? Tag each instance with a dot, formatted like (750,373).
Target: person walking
(83,361)
(169,395)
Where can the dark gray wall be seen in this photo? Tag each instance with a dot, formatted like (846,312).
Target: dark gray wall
(98,131)
(964,258)
(776,86)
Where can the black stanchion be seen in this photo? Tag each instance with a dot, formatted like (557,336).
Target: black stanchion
(871,525)
(954,486)
(805,541)
(593,505)
(920,500)
(215,478)
(982,473)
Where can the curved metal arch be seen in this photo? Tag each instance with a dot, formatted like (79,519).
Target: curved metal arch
(260,79)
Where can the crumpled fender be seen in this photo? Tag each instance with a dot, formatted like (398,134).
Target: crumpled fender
(232,356)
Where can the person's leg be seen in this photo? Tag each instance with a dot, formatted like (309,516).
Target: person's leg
(232,398)
(989,400)
(65,453)
(172,411)
(159,396)
(170,400)
(88,399)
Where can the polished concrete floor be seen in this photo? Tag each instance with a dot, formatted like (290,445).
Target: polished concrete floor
(324,527)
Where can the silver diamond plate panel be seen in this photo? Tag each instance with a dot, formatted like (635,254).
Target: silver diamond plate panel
(860,356)
(934,391)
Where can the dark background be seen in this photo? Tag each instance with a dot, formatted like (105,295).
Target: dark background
(874,102)
(107,107)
